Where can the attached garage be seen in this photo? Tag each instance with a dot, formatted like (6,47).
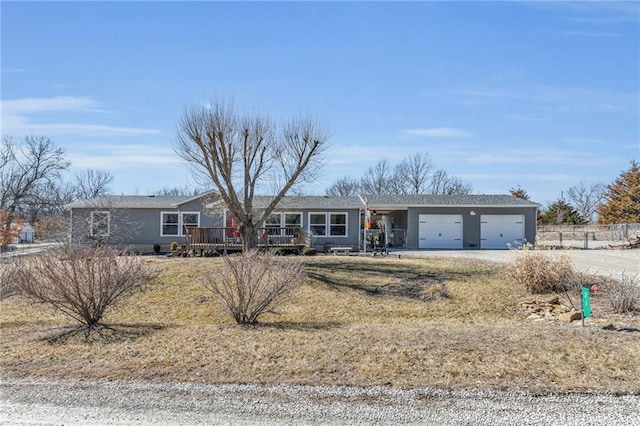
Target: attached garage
(500,231)
(440,231)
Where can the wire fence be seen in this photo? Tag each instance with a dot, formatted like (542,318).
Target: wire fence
(586,236)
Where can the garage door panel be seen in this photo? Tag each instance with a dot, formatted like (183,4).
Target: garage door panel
(440,231)
(501,231)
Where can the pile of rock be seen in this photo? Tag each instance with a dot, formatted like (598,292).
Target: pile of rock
(548,307)
(632,243)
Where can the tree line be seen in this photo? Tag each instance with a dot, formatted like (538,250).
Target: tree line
(414,175)
(35,186)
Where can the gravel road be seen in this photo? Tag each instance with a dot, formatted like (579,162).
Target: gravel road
(113,403)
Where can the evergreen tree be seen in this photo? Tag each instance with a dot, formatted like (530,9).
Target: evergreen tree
(622,199)
(519,192)
(561,213)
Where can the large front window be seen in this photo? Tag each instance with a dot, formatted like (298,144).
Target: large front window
(283,223)
(328,224)
(175,223)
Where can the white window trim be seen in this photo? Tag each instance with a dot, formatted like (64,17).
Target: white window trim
(108,213)
(180,222)
(346,224)
(284,218)
(327,224)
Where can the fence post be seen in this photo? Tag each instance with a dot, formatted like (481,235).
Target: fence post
(586,240)
(560,238)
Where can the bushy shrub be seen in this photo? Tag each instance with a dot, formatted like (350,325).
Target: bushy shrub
(308,251)
(7,278)
(624,293)
(540,272)
(253,283)
(82,283)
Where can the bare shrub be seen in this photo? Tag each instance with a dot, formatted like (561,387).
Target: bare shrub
(539,272)
(254,283)
(7,278)
(82,283)
(624,293)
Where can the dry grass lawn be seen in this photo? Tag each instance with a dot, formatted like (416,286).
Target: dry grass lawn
(355,321)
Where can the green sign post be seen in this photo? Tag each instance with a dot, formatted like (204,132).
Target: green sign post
(586,303)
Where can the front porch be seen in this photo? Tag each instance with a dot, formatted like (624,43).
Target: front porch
(228,240)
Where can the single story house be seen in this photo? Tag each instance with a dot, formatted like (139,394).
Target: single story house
(454,222)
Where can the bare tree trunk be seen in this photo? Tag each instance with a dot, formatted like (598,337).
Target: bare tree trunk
(249,236)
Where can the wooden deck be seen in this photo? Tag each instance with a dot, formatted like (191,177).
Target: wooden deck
(228,240)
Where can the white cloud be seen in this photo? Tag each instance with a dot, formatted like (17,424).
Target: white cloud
(437,132)
(112,157)
(547,156)
(18,118)
(59,103)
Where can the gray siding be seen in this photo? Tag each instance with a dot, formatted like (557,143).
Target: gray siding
(353,227)
(470,223)
(138,227)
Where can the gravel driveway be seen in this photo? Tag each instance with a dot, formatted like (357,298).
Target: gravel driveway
(599,262)
(112,403)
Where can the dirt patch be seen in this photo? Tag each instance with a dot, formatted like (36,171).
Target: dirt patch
(421,288)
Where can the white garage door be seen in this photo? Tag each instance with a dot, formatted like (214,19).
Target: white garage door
(440,231)
(499,230)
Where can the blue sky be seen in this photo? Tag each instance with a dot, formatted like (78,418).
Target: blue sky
(541,94)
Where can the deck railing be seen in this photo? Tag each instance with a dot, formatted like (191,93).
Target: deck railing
(197,237)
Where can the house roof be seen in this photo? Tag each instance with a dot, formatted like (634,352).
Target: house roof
(134,201)
(377,201)
(380,201)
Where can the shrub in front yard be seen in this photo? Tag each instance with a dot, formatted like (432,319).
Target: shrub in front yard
(541,273)
(7,278)
(252,283)
(624,293)
(81,283)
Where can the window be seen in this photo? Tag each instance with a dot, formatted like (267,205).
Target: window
(292,219)
(100,224)
(190,220)
(318,223)
(338,223)
(272,224)
(170,224)
(175,223)
(328,224)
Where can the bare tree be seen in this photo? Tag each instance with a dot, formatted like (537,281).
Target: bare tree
(177,191)
(414,175)
(376,179)
(344,187)
(36,161)
(104,221)
(82,283)
(8,269)
(238,154)
(442,183)
(254,283)
(92,183)
(414,172)
(587,198)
